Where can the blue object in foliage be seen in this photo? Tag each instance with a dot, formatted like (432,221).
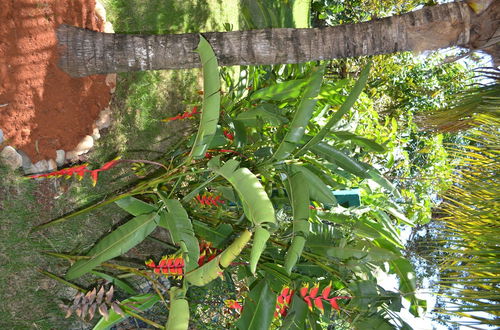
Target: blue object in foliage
(348,198)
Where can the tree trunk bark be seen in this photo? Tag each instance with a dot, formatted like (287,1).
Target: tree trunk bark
(84,52)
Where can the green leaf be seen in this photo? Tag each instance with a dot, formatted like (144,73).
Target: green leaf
(318,190)
(175,219)
(259,308)
(116,282)
(259,244)
(296,315)
(281,91)
(404,270)
(376,176)
(135,206)
(217,236)
(302,116)
(141,302)
(340,159)
(299,196)
(178,316)
(266,112)
(371,145)
(115,244)
(211,100)
(400,216)
(256,204)
(346,106)
(373,322)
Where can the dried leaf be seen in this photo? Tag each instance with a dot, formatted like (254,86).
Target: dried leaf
(103,310)
(100,294)
(85,308)
(109,295)
(78,297)
(117,309)
(78,312)
(90,296)
(92,310)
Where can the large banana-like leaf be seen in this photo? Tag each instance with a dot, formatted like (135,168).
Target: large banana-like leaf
(137,303)
(115,244)
(259,244)
(318,190)
(302,116)
(175,219)
(211,100)
(135,206)
(296,315)
(266,112)
(340,159)
(299,196)
(259,308)
(256,204)
(346,106)
(178,316)
(214,268)
(376,176)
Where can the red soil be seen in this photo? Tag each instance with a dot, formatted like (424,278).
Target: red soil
(43,109)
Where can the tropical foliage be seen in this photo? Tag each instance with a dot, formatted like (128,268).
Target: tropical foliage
(270,156)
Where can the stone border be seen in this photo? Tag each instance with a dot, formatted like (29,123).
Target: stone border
(17,158)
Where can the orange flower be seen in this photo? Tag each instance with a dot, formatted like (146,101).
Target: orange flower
(209,200)
(233,304)
(185,115)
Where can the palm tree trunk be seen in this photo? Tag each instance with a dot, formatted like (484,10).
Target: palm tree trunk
(85,52)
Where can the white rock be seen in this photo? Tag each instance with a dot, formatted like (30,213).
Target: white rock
(100,11)
(26,160)
(11,158)
(111,81)
(104,119)
(84,146)
(71,156)
(39,167)
(108,27)
(52,165)
(95,134)
(1,136)
(60,157)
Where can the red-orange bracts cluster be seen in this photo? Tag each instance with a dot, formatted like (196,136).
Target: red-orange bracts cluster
(168,266)
(79,171)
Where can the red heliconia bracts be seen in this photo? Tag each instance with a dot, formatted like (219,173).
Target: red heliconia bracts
(209,200)
(168,266)
(187,114)
(283,302)
(228,135)
(207,253)
(79,171)
(314,300)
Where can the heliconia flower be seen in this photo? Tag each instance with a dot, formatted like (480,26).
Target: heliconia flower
(319,304)
(326,291)
(309,303)
(168,265)
(233,304)
(209,200)
(207,253)
(185,115)
(78,171)
(304,289)
(283,301)
(314,291)
(228,135)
